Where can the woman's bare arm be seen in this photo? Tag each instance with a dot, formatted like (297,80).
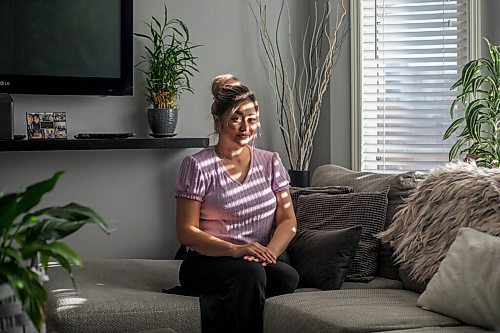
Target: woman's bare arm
(286,223)
(189,234)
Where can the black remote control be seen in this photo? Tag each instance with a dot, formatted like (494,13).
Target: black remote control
(104,135)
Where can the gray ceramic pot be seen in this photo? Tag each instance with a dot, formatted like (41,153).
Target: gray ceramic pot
(14,318)
(163,121)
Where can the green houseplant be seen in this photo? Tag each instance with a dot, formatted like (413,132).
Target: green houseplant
(479,138)
(30,238)
(168,65)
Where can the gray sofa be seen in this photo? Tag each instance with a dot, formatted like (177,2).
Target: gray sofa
(124,295)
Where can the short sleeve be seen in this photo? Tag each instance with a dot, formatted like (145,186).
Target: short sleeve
(280,177)
(191,183)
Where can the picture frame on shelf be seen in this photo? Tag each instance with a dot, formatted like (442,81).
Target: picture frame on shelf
(46,125)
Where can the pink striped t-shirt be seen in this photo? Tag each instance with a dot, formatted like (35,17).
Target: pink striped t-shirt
(239,213)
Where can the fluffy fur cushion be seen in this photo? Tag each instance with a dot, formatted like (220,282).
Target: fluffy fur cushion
(457,195)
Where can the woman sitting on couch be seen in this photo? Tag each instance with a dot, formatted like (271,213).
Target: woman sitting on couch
(229,197)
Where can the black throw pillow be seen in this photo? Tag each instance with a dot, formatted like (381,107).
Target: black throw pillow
(323,257)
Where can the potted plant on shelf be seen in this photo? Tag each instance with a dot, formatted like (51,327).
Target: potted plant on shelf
(28,241)
(300,85)
(168,65)
(479,138)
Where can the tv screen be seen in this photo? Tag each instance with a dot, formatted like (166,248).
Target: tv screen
(60,47)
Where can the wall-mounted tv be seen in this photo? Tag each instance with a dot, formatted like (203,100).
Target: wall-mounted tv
(61,47)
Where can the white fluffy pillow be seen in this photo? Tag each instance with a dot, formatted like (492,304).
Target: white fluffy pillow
(467,283)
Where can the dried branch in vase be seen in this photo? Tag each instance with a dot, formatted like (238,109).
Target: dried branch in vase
(299,94)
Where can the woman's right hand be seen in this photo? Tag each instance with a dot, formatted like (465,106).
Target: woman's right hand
(254,252)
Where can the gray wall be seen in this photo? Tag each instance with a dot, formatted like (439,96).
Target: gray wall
(133,189)
(332,141)
(489,23)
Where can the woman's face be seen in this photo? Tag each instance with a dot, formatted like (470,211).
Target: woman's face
(239,125)
(36,119)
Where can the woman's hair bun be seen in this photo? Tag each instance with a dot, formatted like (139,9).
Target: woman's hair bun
(221,81)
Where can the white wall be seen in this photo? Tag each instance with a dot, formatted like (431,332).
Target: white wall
(133,189)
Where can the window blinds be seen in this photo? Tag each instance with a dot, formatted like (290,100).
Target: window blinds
(412,52)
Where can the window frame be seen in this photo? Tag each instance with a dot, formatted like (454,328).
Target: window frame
(474,52)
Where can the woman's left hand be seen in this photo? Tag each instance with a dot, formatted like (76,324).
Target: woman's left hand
(254,259)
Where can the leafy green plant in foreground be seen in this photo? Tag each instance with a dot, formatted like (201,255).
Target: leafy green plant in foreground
(29,239)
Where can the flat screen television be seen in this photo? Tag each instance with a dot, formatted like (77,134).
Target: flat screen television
(61,47)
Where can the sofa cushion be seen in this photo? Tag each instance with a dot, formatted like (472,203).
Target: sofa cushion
(411,284)
(400,187)
(160,330)
(120,295)
(467,283)
(452,329)
(354,310)
(295,192)
(376,283)
(124,295)
(323,258)
(333,212)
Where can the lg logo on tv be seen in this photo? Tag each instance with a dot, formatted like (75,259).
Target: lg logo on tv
(4,83)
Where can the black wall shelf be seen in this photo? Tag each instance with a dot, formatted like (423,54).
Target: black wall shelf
(102,144)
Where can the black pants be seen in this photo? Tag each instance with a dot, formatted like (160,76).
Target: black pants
(233,291)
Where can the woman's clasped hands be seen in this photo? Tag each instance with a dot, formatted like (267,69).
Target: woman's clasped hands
(254,252)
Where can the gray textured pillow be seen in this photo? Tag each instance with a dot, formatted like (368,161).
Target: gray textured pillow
(323,258)
(467,283)
(295,192)
(321,211)
(400,187)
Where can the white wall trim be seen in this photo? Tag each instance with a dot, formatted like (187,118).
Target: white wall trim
(356,95)
(474,29)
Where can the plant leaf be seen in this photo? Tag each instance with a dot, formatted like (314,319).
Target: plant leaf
(453,127)
(75,212)
(51,229)
(472,124)
(59,249)
(455,148)
(33,193)
(65,263)
(15,255)
(8,212)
